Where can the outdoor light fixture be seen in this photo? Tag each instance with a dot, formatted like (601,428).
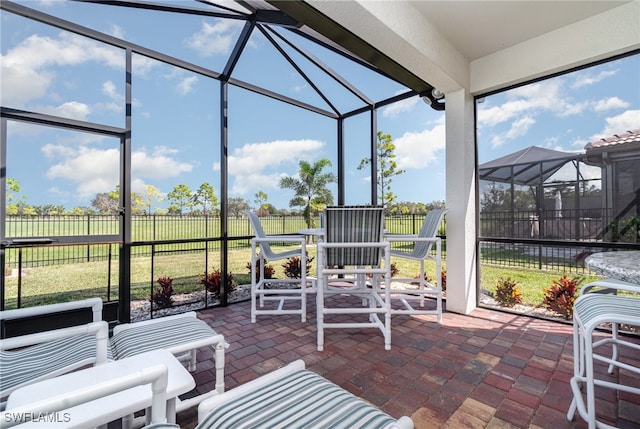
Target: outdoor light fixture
(433,98)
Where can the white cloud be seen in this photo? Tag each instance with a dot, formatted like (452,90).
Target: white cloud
(588,78)
(95,170)
(185,86)
(27,68)
(610,104)
(519,128)
(395,109)
(157,165)
(117,31)
(92,170)
(571,109)
(523,106)
(626,121)
(419,149)
(215,38)
(259,166)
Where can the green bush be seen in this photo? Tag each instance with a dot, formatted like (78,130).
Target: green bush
(508,293)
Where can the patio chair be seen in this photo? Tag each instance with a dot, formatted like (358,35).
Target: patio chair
(602,287)
(59,351)
(592,310)
(293,397)
(29,358)
(155,375)
(420,251)
(354,250)
(281,291)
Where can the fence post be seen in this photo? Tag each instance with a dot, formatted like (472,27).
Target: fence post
(109,275)
(19,304)
(88,233)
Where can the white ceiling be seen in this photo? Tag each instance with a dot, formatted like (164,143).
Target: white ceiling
(479,28)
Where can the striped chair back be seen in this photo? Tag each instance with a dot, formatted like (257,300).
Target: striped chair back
(259,232)
(429,230)
(354,224)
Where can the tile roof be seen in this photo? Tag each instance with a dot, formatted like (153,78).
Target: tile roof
(628,137)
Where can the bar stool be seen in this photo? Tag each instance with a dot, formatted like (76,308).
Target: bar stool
(590,311)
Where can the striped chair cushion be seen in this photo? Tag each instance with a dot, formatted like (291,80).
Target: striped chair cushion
(25,365)
(163,334)
(302,399)
(620,309)
(354,224)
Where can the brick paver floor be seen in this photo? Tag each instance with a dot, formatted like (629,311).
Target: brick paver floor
(488,369)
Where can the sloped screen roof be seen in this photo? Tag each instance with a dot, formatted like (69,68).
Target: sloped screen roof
(530,166)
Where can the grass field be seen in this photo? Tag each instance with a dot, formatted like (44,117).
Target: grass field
(59,283)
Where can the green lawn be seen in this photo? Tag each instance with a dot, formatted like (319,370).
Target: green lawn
(59,283)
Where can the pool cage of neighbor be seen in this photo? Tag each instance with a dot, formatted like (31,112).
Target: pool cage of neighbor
(549,206)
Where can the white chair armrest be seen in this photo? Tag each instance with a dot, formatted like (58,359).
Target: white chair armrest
(609,284)
(99,329)
(94,303)
(279,238)
(155,375)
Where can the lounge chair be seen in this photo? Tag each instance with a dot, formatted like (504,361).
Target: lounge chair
(56,352)
(56,407)
(294,289)
(293,397)
(420,251)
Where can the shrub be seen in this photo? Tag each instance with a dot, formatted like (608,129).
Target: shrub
(269,271)
(213,280)
(561,296)
(508,293)
(394,269)
(292,267)
(162,297)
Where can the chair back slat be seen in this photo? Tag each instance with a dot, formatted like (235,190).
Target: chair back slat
(429,230)
(259,232)
(354,224)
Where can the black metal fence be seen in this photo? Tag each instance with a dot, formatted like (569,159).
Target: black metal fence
(177,233)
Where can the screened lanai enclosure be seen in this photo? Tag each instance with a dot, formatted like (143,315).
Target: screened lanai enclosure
(240,87)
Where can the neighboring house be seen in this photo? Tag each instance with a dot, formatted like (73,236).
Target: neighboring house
(619,158)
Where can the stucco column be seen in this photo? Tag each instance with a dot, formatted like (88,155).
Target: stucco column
(461,202)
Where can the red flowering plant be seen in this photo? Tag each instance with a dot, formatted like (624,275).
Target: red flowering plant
(293,268)
(213,281)
(269,271)
(162,297)
(561,296)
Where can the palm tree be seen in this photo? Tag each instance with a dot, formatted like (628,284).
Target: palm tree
(311,188)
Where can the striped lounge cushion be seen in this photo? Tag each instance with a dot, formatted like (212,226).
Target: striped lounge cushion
(163,334)
(302,399)
(23,365)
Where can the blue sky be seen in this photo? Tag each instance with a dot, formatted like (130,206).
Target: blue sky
(175,112)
